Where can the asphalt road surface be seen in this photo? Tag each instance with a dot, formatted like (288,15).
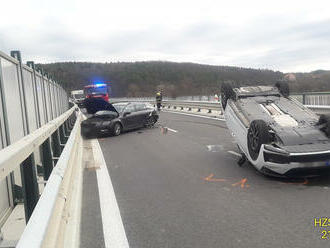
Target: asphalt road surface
(183,188)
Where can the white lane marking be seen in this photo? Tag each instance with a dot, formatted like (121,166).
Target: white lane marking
(201,116)
(214,148)
(113,228)
(235,153)
(172,130)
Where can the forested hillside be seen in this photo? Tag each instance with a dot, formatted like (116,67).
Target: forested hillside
(143,78)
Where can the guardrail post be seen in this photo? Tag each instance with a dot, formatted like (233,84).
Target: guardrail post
(30,186)
(303,99)
(63,139)
(66,128)
(56,144)
(47,158)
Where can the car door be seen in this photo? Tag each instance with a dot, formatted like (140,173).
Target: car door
(142,113)
(130,117)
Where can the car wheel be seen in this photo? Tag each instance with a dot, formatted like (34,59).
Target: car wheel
(150,121)
(258,134)
(325,122)
(283,88)
(117,128)
(227,92)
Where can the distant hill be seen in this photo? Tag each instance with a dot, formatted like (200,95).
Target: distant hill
(313,81)
(144,78)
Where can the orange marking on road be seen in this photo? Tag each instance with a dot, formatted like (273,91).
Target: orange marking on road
(242,183)
(210,178)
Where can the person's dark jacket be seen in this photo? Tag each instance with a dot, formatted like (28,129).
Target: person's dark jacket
(158,98)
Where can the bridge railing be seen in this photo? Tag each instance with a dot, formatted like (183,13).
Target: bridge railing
(306,98)
(54,220)
(30,102)
(315,102)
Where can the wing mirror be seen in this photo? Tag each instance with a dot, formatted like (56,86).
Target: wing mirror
(127,113)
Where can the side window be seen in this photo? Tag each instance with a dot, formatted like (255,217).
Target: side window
(140,106)
(130,108)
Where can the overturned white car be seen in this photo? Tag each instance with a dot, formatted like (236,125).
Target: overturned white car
(276,133)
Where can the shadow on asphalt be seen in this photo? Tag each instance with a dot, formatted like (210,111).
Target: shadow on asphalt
(320,181)
(108,135)
(309,181)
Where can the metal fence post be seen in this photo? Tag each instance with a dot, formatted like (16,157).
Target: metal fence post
(5,136)
(304,98)
(56,144)
(67,127)
(30,186)
(47,158)
(32,65)
(43,90)
(63,137)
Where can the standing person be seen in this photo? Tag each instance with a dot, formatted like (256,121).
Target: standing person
(159,100)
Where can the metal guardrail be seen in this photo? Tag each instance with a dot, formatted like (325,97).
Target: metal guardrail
(51,139)
(190,105)
(11,156)
(208,105)
(52,222)
(306,98)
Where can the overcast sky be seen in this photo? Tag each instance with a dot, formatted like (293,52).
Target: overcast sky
(279,35)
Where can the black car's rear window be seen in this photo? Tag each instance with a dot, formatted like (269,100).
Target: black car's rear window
(119,107)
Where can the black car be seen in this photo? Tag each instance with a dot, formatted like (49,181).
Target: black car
(116,118)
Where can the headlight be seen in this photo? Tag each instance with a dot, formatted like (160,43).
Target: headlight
(276,155)
(275,149)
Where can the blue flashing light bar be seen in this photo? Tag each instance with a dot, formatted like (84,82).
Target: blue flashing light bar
(100,84)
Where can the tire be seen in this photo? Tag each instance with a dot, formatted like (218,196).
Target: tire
(227,92)
(283,88)
(150,122)
(258,134)
(325,122)
(116,129)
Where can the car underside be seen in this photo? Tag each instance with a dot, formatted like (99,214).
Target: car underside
(276,133)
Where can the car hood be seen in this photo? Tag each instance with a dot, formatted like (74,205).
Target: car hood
(94,105)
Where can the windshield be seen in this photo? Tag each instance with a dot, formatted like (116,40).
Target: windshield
(119,106)
(96,90)
(149,106)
